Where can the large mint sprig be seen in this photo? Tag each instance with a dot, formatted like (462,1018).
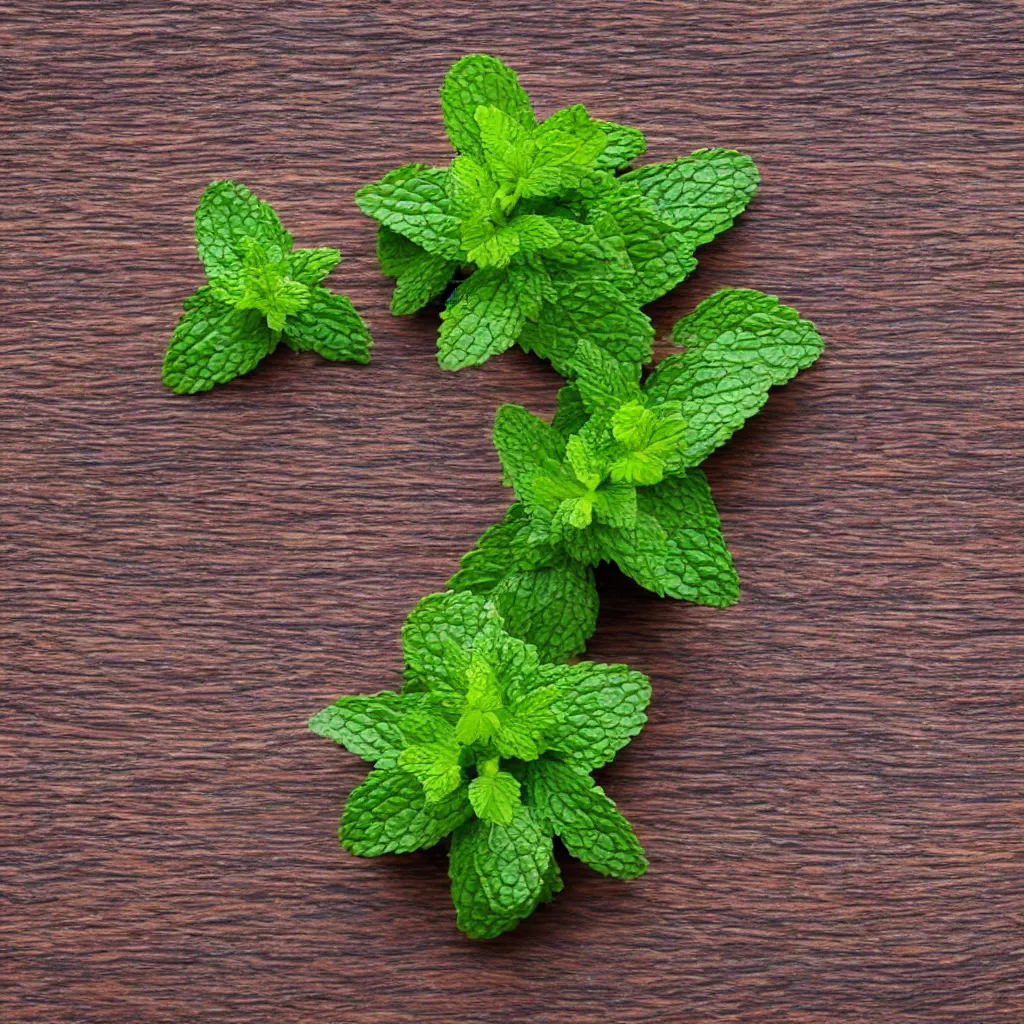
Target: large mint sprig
(260,292)
(488,743)
(556,243)
(613,478)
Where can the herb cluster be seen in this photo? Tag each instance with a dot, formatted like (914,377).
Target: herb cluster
(538,233)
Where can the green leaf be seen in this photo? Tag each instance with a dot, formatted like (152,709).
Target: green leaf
(661,255)
(369,726)
(331,327)
(524,442)
(701,194)
(436,764)
(421,275)
(484,567)
(586,821)
(214,343)
(553,608)
(603,382)
(507,146)
(739,344)
(440,619)
(476,917)
(412,201)
(601,707)
(480,81)
(622,144)
(311,266)
(389,813)
(644,553)
(228,213)
(512,861)
(571,413)
(486,315)
(685,509)
(495,797)
(590,309)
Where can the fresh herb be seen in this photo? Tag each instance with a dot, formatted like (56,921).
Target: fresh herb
(613,478)
(488,743)
(260,292)
(558,243)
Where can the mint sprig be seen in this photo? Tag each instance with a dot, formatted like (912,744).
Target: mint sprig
(543,237)
(614,477)
(260,291)
(490,744)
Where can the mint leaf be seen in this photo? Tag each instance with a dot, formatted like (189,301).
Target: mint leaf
(440,619)
(389,813)
(495,797)
(369,726)
(622,145)
(602,709)
(480,81)
(436,763)
(486,315)
(259,291)
(524,441)
(214,343)
(570,413)
(554,608)
(585,819)
(412,201)
(330,326)
(740,344)
(228,214)
(513,861)
(595,310)
(421,275)
(685,510)
(485,565)
(311,266)
(475,914)
(701,194)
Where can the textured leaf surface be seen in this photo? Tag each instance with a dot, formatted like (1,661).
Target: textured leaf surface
(476,81)
(475,914)
(214,343)
(585,819)
(331,327)
(512,861)
(554,608)
(645,553)
(524,441)
(603,707)
(227,214)
(595,310)
(436,620)
(484,566)
(421,275)
(739,344)
(412,201)
(701,194)
(369,726)
(311,266)
(622,145)
(486,315)
(684,507)
(389,813)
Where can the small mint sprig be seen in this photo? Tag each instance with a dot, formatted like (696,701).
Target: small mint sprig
(547,234)
(491,745)
(614,477)
(259,292)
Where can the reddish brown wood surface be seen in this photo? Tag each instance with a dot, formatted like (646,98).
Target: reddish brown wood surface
(830,786)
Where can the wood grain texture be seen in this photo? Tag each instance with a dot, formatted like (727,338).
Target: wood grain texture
(830,786)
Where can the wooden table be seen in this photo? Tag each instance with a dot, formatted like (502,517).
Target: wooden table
(830,785)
